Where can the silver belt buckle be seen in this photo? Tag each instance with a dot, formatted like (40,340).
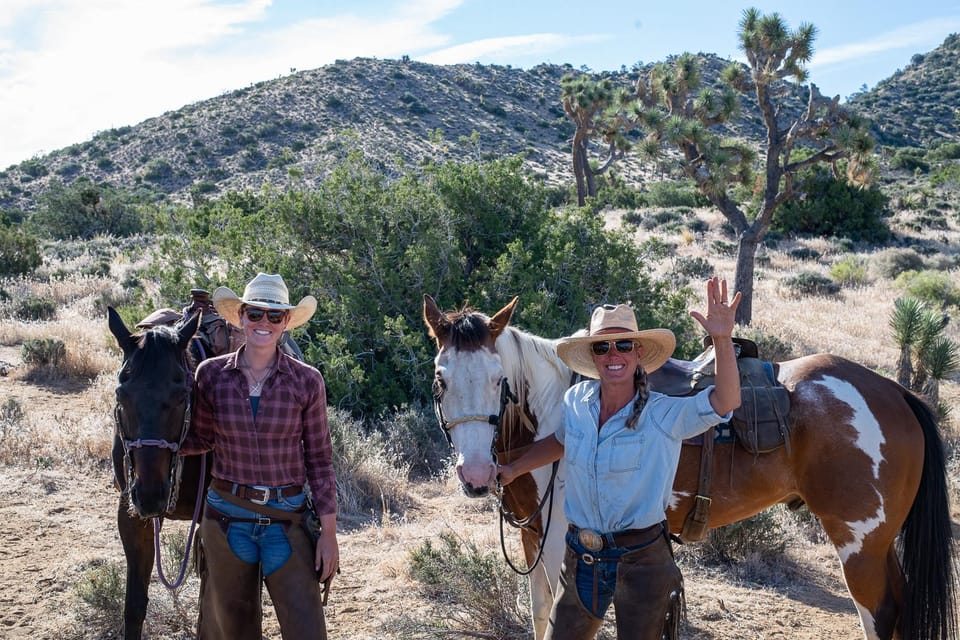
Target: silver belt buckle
(590,539)
(266,495)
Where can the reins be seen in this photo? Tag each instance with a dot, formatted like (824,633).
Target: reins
(506,397)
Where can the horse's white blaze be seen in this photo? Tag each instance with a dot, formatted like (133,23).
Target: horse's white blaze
(869,439)
(472,389)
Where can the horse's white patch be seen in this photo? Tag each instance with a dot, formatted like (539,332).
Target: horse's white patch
(869,436)
(676,498)
(866,619)
(869,439)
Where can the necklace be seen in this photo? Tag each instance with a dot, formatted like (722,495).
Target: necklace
(255,387)
(257,384)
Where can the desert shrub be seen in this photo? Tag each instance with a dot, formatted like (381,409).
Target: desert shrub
(945,151)
(910,159)
(84,210)
(804,253)
(722,248)
(413,436)
(12,416)
(686,269)
(762,534)
(35,309)
(370,479)
(890,263)
(667,193)
(472,589)
(933,287)
(810,283)
(769,346)
(43,352)
(19,252)
(101,587)
(850,270)
(833,207)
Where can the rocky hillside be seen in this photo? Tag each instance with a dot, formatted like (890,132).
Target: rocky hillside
(920,104)
(400,112)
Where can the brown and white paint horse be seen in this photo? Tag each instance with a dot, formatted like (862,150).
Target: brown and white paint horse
(865,457)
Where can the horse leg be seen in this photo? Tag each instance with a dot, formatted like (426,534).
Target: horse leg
(541,591)
(136,536)
(873,578)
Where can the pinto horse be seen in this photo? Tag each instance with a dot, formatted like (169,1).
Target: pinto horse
(152,417)
(865,456)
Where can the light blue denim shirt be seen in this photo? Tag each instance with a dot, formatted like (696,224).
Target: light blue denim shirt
(622,478)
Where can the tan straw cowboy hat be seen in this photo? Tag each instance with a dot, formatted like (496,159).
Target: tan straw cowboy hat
(657,344)
(266,291)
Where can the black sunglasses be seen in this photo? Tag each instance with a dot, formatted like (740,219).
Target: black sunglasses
(622,346)
(274,316)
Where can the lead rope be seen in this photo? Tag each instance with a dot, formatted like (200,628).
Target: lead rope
(158,525)
(525,523)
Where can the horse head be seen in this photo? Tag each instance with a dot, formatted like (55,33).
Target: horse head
(470,388)
(152,412)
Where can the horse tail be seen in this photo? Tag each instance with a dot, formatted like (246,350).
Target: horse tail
(926,546)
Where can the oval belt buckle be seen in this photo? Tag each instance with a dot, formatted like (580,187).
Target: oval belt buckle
(590,540)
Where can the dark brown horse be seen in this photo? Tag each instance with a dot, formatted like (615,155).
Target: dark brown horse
(152,417)
(865,456)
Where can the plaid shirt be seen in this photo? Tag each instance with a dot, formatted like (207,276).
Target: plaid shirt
(287,443)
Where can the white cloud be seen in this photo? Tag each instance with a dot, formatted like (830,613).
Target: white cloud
(503,49)
(921,35)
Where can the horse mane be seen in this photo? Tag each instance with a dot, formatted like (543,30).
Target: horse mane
(152,341)
(537,376)
(468,328)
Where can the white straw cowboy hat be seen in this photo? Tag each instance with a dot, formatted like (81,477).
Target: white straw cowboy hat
(266,291)
(657,344)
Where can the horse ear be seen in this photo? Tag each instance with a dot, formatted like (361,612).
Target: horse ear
(188,329)
(501,318)
(435,320)
(120,332)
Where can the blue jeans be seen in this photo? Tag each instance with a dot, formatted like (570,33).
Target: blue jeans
(252,542)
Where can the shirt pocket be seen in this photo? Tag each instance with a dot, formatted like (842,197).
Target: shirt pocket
(626,453)
(573,448)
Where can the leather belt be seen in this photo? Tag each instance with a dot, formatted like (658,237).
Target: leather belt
(256,494)
(594,541)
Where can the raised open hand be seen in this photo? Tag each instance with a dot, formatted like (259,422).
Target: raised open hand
(719,320)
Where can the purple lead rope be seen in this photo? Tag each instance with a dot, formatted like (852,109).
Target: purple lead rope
(158,524)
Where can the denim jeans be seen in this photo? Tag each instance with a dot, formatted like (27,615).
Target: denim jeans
(252,542)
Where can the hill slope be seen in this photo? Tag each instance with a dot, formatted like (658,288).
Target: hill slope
(400,112)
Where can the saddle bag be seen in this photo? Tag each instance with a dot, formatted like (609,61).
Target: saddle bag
(760,422)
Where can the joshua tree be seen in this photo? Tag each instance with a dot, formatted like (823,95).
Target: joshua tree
(591,105)
(673,110)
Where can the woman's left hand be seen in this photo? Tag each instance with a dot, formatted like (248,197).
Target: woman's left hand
(328,550)
(720,316)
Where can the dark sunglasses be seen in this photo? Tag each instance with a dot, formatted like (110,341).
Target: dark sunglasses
(622,346)
(274,316)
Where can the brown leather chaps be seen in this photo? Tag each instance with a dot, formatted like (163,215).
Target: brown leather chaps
(230,590)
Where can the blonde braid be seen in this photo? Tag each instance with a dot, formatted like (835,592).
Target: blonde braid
(643,392)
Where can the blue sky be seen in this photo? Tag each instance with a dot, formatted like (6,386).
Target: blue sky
(71,68)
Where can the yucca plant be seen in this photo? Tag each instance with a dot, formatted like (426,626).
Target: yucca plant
(940,358)
(905,324)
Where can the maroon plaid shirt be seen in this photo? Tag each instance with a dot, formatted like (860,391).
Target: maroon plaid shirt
(287,443)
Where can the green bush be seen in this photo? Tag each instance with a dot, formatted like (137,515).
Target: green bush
(933,287)
(32,308)
(804,253)
(19,252)
(670,193)
(910,159)
(810,283)
(761,534)
(84,210)
(850,270)
(832,207)
(43,352)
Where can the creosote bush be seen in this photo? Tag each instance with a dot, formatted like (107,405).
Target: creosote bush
(35,309)
(43,352)
(890,263)
(810,283)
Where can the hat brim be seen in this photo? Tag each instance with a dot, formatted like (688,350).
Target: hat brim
(228,304)
(657,345)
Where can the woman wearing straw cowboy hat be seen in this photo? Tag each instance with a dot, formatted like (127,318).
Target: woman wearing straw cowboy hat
(264,416)
(621,443)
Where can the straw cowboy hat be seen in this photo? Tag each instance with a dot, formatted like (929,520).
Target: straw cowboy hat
(657,344)
(266,291)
